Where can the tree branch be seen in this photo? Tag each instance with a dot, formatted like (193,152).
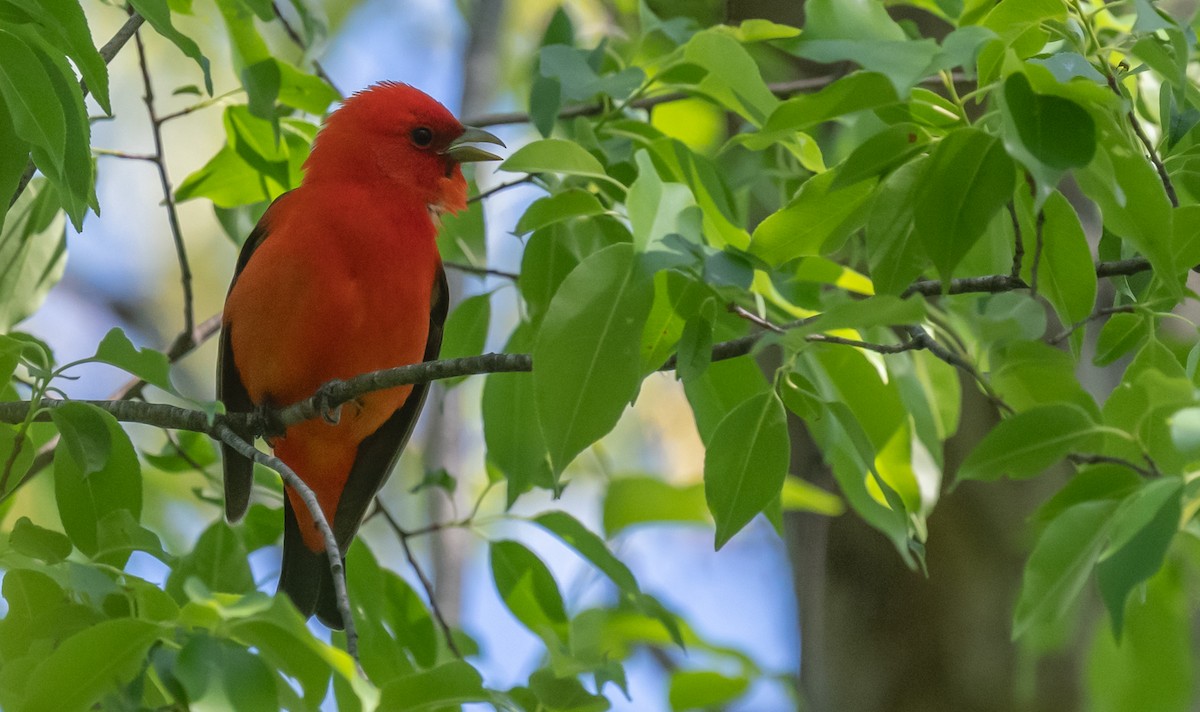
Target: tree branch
(223,433)
(403,536)
(159,160)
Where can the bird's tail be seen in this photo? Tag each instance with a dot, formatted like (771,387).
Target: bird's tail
(305,576)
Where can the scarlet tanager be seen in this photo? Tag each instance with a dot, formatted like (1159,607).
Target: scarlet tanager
(342,276)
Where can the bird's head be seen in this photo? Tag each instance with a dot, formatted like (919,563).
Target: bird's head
(393,134)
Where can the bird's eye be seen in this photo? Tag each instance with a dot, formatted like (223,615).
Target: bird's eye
(421,136)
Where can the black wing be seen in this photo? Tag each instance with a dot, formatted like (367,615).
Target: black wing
(305,575)
(239,471)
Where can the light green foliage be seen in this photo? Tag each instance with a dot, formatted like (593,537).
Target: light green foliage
(850,254)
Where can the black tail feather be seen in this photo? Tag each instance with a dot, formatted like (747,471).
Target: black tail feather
(305,576)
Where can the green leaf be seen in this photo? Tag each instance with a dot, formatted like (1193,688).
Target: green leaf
(462,236)
(967,180)
(1120,334)
(880,153)
(151,366)
(1133,202)
(529,592)
(85,666)
(859,91)
(733,79)
(1060,564)
(631,501)
(64,25)
(1054,130)
(704,689)
(218,560)
(564,694)
(220,675)
(29,95)
(657,209)
(675,296)
(158,14)
(862,32)
(252,167)
(694,354)
(894,252)
(1143,528)
(724,385)
(1150,666)
(556,208)
(591,547)
(510,425)
(588,365)
(448,685)
(577,80)
(554,155)
(1026,374)
(14,156)
(816,222)
(466,329)
(32,252)
(801,496)
(1066,276)
(1027,443)
(86,495)
(38,542)
(746,463)
(84,430)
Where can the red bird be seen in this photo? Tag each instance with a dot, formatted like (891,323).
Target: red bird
(340,277)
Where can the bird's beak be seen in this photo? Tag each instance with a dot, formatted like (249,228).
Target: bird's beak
(462,149)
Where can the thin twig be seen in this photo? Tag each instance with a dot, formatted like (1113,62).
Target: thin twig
(1098,314)
(503,186)
(481,271)
(107,52)
(403,536)
(299,41)
(1018,244)
(185,271)
(922,337)
(229,437)
(754,318)
(991,283)
(1037,254)
(110,153)
(1089,459)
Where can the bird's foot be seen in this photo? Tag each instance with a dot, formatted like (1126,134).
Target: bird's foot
(268,417)
(329,402)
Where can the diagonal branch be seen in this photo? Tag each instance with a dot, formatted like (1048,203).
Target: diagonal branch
(226,435)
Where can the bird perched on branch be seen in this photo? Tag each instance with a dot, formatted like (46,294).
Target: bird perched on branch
(342,276)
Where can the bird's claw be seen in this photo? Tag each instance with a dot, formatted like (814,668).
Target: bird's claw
(268,416)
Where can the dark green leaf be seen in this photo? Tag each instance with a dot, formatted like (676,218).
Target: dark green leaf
(880,153)
(894,252)
(1060,564)
(733,80)
(38,542)
(84,430)
(1025,444)
(695,344)
(218,561)
(510,426)
(1066,276)
(84,667)
(1120,335)
(1142,529)
(587,351)
(466,329)
(86,496)
(219,675)
(746,463)
(724,385)
(967,180)
(1054,130)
